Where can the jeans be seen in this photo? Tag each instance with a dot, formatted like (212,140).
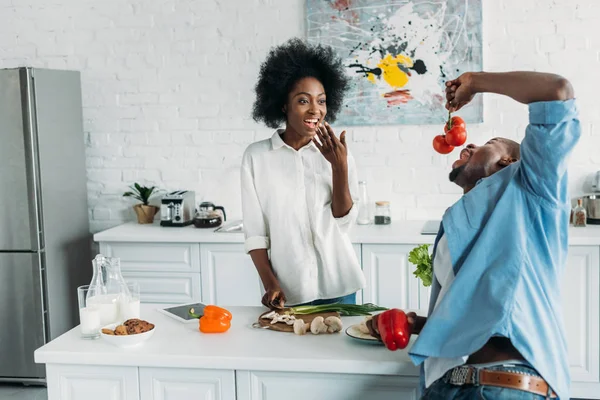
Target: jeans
(348,299)
(440,390)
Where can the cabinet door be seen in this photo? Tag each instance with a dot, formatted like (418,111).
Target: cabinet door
(81,382)
(259,385)
(166,287)
(581,309)
(358,250)
(159,257)
(229,277)
(390,279)
(186,384)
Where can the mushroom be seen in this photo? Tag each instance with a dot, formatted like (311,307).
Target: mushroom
(363,325)
(334,324)
(318,325)
(276,318)
(300,328)
(266,316)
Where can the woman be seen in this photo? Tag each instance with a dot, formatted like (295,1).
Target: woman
(298,186)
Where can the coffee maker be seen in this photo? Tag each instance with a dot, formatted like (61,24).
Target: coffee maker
(177,208)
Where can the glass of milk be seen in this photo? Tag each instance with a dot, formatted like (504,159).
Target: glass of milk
(129,306)
(89,315)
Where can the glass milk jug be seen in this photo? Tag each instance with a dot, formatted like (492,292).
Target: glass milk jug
(108,291)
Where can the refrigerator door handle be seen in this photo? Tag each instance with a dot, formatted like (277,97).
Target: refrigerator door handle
(32,157)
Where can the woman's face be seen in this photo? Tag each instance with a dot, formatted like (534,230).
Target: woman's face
(306,106)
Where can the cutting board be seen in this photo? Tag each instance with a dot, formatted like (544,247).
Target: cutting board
(283,327)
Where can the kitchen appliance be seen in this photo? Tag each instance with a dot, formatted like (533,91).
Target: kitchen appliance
(592,207)
(209,215)
(177,208)
(44,228)
(596,182)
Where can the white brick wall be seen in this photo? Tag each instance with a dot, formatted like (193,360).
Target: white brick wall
(168,89)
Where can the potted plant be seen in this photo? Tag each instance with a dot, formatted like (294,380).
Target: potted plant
(144,211)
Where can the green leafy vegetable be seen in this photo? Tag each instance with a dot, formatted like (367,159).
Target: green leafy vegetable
(343,309)
(420,257)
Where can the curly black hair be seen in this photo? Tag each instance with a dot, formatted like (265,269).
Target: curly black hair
(287,64)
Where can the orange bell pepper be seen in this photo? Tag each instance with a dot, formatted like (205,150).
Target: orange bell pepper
(215,320)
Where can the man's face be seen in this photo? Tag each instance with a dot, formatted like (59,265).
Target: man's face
(477,162)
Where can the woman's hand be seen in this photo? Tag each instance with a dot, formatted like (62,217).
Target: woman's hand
(333,149)
(274,298)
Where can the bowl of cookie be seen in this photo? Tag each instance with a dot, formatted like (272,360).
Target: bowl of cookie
(130,333)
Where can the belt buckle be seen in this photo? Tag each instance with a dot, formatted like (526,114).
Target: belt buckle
(461,375)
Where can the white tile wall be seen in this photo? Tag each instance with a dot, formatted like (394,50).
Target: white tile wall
(168,89)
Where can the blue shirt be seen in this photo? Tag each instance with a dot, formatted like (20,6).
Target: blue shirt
(508,242)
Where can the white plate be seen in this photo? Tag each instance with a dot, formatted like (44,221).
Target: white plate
(355,333)
(126,340)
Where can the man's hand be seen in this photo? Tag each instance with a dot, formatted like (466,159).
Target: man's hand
(373,326)
(274,298)
(459,92)
(524,87)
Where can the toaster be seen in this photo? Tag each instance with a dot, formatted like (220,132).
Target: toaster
(177,208)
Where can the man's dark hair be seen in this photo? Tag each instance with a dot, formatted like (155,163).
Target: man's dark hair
(287,64)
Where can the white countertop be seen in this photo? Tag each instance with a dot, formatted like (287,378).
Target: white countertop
(179,345)
(400,232)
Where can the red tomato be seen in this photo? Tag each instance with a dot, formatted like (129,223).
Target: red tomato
(456,136)
(454,121)
(440,145)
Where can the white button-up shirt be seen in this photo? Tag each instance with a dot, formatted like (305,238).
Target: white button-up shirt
(286,202)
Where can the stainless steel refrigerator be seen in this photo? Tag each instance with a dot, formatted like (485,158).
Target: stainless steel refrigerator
(44,228)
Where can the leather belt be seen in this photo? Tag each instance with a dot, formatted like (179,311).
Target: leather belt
(466,375)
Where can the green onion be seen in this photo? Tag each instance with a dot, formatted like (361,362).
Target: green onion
(343,309)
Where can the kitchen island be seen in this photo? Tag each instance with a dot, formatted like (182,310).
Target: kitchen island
(181,265)
(180,363)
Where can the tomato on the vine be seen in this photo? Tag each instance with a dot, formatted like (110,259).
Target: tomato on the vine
(441,146)
(456,136)
(454,121)
(456,131)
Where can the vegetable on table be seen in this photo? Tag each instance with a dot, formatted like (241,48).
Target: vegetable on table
(343,309)
(318,326)
(420,257)
(334,324)
(394,329)
(214,319)
(300,328)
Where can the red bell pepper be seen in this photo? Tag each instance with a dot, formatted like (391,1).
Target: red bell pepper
(394,329)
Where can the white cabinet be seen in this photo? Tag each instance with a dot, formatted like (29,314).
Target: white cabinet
(79,382)
(186,384)
(160,257)
(229,277)
(168,273)
(581,309)
(390,279)
(259,385)
(166,287)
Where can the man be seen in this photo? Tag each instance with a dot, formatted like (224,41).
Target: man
(494,327)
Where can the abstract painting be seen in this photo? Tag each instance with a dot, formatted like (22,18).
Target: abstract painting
(399,54)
